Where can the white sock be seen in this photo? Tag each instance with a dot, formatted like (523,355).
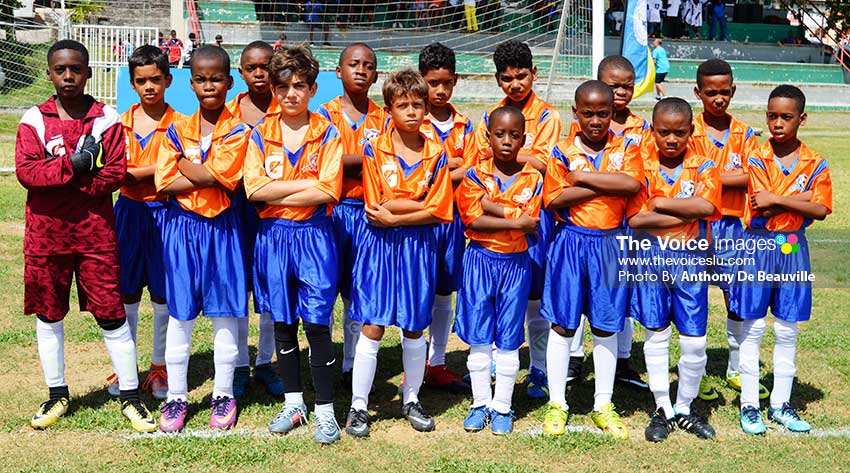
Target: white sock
(293,399)
(178,341)
(507,366)
(413,351)
(350,334)
(478,363)
(225,352)
(557,357)
(265,344)
(160,327)
(784,368)
(605,364)
(577,348)
(132,311)
(734,335)
(656,351)
(624,340)
(691,370)
(749,367)
(51,351)
(122,350)
(363,372)
(538,334)
(441,325)
(243,358)
(324,408)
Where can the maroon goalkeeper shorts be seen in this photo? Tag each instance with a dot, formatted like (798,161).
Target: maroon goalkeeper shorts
(47,285)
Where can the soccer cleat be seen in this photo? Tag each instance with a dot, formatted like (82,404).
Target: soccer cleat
(442,377)
(787,416)
(419,419)
(628,376)
(574,369)
(555,419)
(222,412)
(268,378)
(357,424)
(288,418)
(696,425)
(502,424)
(113,389)
(734,382)
(751,421)
(706,390)
(538,386)
(172,415)
(327,429)
(610,422)
(659,427)
(477,419)
(157,382)
(241,380)
(140,418)
(49,413)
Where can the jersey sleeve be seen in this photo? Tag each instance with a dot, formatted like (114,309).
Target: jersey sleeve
(469,194)
(750,149)
(757,178)
(548,134)
(254,174)
(226,164)
(821,185)
(330,164)
(482,146)
(438,201)
(709,176)
(33,169)
(372,186)
(555,180)
(470,146)
(639,202)
(170,151)
(633,162)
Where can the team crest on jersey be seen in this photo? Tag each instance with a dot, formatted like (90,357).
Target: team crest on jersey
(800,183)
(390,173)
(615,161)
(312,163)
(523,196)
(428,134)
(459,144)
(424,182)
(579,164)
(687,189)
(634,138)
(56,147)
(734,161)
(368,135)
(529,140)
(274,165)
(490,184)
(193,154)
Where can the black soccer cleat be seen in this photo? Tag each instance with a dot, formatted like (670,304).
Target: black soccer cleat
(357,424)
(418,418)
(574,369)
(696,425)
(659,427)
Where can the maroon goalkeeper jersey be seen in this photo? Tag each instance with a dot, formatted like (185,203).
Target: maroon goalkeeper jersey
(67,213)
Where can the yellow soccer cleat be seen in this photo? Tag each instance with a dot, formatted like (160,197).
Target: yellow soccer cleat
(140,418)
(49,413)
(610,422)
(555,419)
(707,391)
(734,382)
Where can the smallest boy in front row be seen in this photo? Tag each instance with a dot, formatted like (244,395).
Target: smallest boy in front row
(789,186)
(497,268)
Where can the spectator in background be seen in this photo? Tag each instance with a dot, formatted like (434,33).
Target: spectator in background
(662,67)
(789,38)
(190,48)
(420,13)
(129,47)
(490,10)
(614,16)
(692,16)
(281,39)
(315,16)
(471,18)
(718,17)
(161,43)
(653,17)
(175,49)
(436,13)
(671,19)
(219,41)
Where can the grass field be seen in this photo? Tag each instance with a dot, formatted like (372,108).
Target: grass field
(94,436)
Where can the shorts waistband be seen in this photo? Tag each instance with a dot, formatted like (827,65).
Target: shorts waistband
(592,231)
(312,222)
(152,204)
(352,202)
(474,245)
(173,204)
(768,234)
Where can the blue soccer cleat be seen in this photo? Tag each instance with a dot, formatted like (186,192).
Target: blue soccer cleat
(288,418)
(751,421)
(502,424)
(327,429)
(538,386)
(787,416)
(267,377)
(477,419)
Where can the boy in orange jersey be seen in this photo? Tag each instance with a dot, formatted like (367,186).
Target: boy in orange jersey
(407,187)
(589,184)
(455,131)
(358,120)
(515,74)
(200,164)
(729,143)
(140,210)
(251,107)
(789,187)
(497,269)
(681,196)
(293,165)
(619,74)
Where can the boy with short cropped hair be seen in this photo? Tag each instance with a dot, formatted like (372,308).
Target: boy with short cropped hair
(789,187)
(293,165)
(70,156)
(200,165)
(681,195)
(455,131)
(140,210)
(729,143)
(589,183)
(497,269)
(407,187)
(515,75)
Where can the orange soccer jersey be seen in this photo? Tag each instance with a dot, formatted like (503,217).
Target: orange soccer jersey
(697,176)
(605,212)
(732,152)
(386,176)
(542,129)
(354,136)
(810,172)
(223,159)
(143,151)
(459,141)
(319,157)
(236,111)
(519,195)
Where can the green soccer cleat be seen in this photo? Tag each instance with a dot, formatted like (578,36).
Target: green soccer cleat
(49,413)
(610,422)
(734,382)
(707,391)
(555,419)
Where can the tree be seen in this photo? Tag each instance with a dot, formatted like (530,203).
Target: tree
(836,12)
